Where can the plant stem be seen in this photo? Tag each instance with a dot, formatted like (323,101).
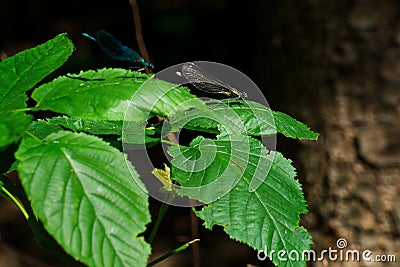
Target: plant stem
(161,213)
(169,254)
(16,202)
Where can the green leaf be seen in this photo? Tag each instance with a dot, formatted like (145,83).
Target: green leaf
(161,98)
(260,120)
(250,191)
(102,94)
(42,128)
(13,123)
(19,74)
(292,128)
(88,197)
(96,127)
(107,94)
(247,117)
(108,130)
(205,169)
(155,97)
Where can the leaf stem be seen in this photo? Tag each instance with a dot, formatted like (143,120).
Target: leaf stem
(22,109)
(171,253)
(33,136)
(16,202)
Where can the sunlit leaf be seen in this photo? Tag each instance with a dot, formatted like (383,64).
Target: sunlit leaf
(20,73)
(88,197)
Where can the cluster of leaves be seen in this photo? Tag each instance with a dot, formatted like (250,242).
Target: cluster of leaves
(88,196)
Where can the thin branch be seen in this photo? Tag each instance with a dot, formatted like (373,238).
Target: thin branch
(171,137)
(161,213)
(138,28)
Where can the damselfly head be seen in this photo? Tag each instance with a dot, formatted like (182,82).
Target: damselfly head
(242,94)
(237,94)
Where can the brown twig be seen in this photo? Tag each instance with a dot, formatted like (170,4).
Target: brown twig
(138,29)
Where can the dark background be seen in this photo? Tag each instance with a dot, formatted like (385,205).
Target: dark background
(334,65)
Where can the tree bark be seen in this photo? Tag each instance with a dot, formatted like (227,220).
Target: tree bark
(336,66)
